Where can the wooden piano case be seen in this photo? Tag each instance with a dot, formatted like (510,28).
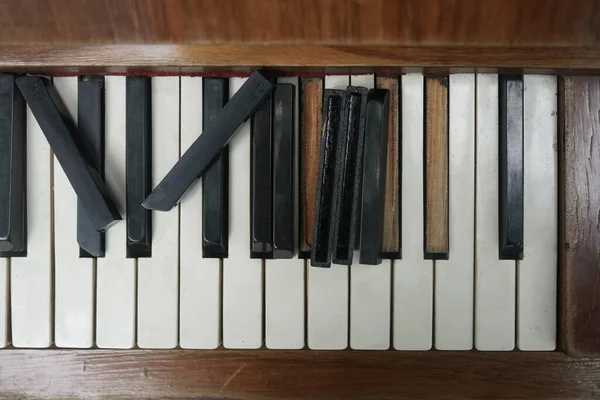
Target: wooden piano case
(313,37)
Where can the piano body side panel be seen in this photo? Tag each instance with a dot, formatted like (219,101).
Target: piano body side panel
(579,223)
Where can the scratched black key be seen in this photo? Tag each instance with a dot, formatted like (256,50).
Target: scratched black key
(374,176)
(511,167)
(13,236)
(283,171)
(334,123)
(63,137)
(261,173)
(349,172)
(138,153)
(209,144)
(215,182)
(90,121)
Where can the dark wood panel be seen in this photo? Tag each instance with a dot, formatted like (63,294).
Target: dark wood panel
(295,374)
(241,59)
(580,212)
(409,22)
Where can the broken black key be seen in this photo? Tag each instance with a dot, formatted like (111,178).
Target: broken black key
(209,144)
(374,176)
(61,133)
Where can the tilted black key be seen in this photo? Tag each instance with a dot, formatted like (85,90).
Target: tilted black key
(13,236)
(62,135)
(90,121)
(138,165)
(334,124)
(283,171)
(261,196)
(374,177)
(215,182)
(349,172)
(209,144)
(511,167)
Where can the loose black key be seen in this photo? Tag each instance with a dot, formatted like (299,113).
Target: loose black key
(90,120)
(13,236)
(262,158)
(374,177)
(511,167)
(209,144)
(325,218)
(349,172)
(138,155)
(215,182)
(283,171)
(63,137)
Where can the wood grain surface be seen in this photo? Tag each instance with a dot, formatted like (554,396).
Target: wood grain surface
(391,221)
(264,374)
(436,166)
(490,23)
(310,143)
(580,212)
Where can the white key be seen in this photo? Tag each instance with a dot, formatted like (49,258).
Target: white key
(3,302)
(328,287)
(495,278)
(537,272)
(116,274)
(158,276)
(413,275)
(74,285)
(370,288)
(454,277)
(31,276)
(284,283)
(200,283)
(242,276)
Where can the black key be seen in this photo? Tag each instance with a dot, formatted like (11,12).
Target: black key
(138,165)
(511,167)
(349,172)
(63,137)
(374,176)
(209,144)
(90,121)
(13,232)
(215,182)
(283,171)
(261,222)
(325,218)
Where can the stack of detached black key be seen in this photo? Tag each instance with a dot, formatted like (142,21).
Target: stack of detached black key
(351,179)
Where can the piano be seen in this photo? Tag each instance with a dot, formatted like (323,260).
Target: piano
(488,280)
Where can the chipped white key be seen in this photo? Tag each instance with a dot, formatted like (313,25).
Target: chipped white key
(158,276)
(413,275)
(537,273)
(242,276)
(116,274)
(74,283)
(454,277)
(200,283)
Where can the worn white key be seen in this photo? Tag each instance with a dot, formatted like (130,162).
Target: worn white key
(370,288)
(494,278)
(537,273)
(413,275)
(158,276)
(31,276)
(200,283)
(454,277)
(284,282)
(4,311)
(328,300)
(74,283)
(116,274)
(242,276)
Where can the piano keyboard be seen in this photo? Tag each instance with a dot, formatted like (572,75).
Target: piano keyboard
(441,285)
